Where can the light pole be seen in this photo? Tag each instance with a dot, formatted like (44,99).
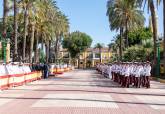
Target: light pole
(158,55)
(4,45)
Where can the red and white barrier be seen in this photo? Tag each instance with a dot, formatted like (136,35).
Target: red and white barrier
(59,69)
(14,75)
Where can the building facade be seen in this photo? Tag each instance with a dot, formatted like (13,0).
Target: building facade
(88,58)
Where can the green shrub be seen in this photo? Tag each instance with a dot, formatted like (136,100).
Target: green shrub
(136,53)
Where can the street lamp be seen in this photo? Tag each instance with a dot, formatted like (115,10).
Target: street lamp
(158,55)
(4,45)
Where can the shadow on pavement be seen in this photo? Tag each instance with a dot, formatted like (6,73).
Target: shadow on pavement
(73,90)
(69,99)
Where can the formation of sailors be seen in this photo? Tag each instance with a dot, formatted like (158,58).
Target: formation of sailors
(136,74)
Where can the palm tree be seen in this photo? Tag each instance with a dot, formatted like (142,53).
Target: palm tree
(15,31)
(109,48)
(147,45)
(151,7)
(63,27)
(99,46)
(5,12)
(26,6)
(164,30)
(31,42)
(38,20)
(124,15)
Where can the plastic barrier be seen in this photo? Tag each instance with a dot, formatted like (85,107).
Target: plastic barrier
(10,72)
(15,75)
(4,77)
(18,76)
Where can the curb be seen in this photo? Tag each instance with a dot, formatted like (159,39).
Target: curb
(158,79)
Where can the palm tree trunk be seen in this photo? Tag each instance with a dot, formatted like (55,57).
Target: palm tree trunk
(56,48)
(120,48)
(154,24)
(25,32)
(47,52)
(5,12)
(164,30)
(36,48)
(31,43)
(126,34)
(100,54)
(15,31)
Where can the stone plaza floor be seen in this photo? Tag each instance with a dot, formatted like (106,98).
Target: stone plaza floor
(82,92)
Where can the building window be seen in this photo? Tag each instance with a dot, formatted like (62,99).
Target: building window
(97,55)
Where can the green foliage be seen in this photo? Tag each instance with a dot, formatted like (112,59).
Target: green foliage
(76,43)
(99,45)
(138,53)
(122,13)
(42,57)
(134,53)
(136,37)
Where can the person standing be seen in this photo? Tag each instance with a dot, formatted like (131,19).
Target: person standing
(46,70)
(127,75)
(110,71)
(148,74)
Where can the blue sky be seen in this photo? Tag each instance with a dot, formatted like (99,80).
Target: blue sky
(89,16)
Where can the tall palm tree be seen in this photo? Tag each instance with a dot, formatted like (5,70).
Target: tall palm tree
(164,30)
(124,15)
(26,6)
(99,46)
(38,20)
(151,7)
(5,13)
(31,42)
(109,48)
(15,30)
(63,28)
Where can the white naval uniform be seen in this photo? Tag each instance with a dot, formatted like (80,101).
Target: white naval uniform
(127,71)
(148,70)
(109,71)
(138,71)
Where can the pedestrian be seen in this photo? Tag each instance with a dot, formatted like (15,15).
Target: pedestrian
(127,75)
(148,74)
(110,71)
(46,70)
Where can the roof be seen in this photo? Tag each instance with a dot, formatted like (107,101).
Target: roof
(97,49)
(92,50)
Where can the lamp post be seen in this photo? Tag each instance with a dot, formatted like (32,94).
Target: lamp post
(4,45)
(158,56)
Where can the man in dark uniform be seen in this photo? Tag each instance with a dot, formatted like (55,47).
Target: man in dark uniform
(46,70)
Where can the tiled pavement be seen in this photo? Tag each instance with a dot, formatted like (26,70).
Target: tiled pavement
(82,92)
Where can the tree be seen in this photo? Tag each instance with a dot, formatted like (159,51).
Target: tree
(76,43)
(26,6)
(62,30)
(109,47)
(5,13)
(39,22)
(164,31)
(124,15)
(137,36)
(151,7)
(99,46)
(15,31)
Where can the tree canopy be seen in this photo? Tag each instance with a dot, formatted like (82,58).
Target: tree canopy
(76,43)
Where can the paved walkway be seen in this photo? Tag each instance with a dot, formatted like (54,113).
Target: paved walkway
(82,92)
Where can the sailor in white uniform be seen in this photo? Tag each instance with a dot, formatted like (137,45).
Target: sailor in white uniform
(147,74)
